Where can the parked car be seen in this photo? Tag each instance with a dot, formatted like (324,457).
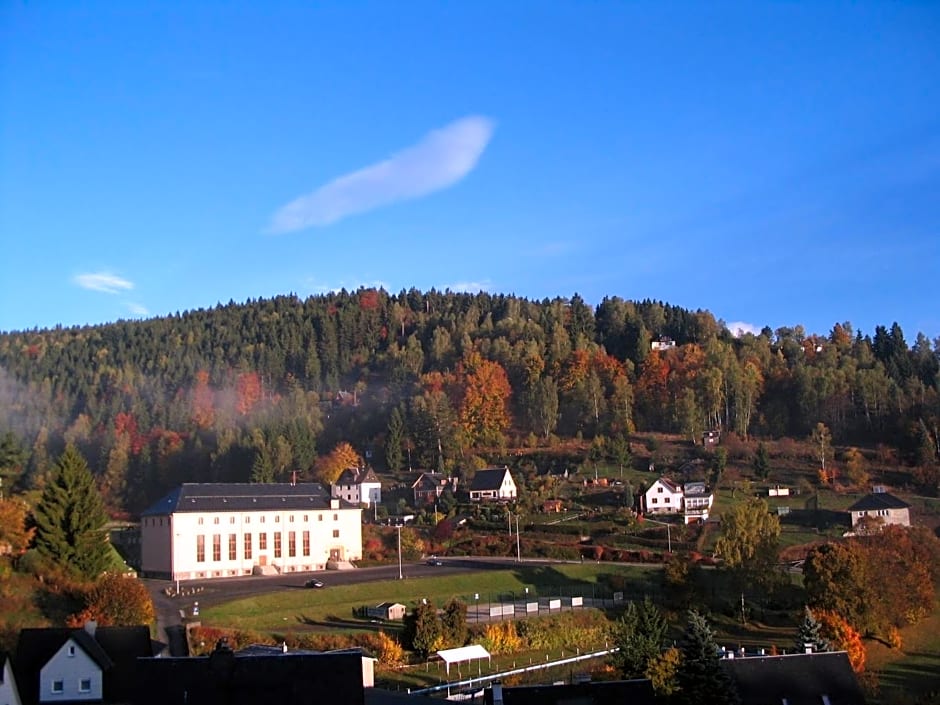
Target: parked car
(434,561)
(313,583)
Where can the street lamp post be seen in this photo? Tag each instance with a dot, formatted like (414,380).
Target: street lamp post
(668,530)
(399,551)
(518,545)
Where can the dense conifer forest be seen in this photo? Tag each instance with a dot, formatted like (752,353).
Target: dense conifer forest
(437,380)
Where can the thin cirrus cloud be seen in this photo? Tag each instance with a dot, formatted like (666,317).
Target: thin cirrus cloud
(441,159)
(136,308)
(104,282)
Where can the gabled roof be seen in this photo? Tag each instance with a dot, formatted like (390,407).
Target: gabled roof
(488,479)
(428,481)
(668,484)
(695,488)
(797,679)
(369,476)
(635,692)
(108,648)
(349,476)
(243,497)
(878,500)
(4,659)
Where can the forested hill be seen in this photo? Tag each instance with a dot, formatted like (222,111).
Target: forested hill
(258,390)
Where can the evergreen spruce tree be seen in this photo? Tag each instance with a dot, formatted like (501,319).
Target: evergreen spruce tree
(762,462)
(810,634)
(639,634)
(701,679)
(393,441)
(70,519)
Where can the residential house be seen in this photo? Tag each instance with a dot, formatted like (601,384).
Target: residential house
(387,610)
(358,486)
(552,505)
(883,506)
(91,664)
(663,497)
(9,695)
(693,500)
(430,486)
(664,343)
(711,438)
(492,484)
(222,530)
(794,679)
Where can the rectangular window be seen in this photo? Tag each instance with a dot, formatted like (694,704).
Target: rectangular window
(232,546)
(71,650)
(247,520)
(336,517)
(262,542)
(84,685)
(319,517)
(248,546)
(277,519)
(306,517)
(58,686)
(215,520)
(200,521)
(277,545)
(306,540)
(262,520)
(216,547)
(231,520)
(201,548)
(291,518)
(335,533)
(292,543)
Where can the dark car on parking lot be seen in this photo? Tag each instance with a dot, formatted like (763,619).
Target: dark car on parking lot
(313,583)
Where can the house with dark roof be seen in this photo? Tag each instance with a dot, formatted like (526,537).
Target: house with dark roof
(358,486)
(881,506)
(9,695)
(430,486)
(492,484)
(824,678)
(255,676)
(228,529)
(92,664)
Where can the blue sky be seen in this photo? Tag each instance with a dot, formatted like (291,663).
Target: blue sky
(774,163)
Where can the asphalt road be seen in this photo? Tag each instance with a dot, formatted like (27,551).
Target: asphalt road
(172,610)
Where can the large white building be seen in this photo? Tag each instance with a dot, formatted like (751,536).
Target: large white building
(224,530)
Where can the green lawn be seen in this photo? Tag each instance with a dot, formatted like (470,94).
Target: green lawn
(276,611)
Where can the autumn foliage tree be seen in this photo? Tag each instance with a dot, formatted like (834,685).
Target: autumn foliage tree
(14,535)
(843,637)
(484,407)
(329,467)
(118,601)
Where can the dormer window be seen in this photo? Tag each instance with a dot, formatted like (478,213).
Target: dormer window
(71,650)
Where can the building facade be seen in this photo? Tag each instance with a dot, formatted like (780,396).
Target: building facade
(224,530)
(358,487)
(492,484)
(882,507)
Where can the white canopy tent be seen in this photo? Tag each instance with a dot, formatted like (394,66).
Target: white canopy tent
(474,652)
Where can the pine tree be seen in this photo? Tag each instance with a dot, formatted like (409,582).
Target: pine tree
(70,519)
(702,680)
(810,634)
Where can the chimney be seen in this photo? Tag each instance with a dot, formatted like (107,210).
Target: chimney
(283,647)
(91,626)
(807,648)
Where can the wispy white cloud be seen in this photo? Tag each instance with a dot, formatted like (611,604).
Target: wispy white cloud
(315,287)
(136,308)
(739,328)
(103,282)
(441,159)
(469,287)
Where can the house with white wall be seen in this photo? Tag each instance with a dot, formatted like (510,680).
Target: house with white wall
(881,507)
(220,530)
(693,500)
(90,664)
(493,484)
(358,486)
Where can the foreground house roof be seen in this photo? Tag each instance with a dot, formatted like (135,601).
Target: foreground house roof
(242,497)
(795,679)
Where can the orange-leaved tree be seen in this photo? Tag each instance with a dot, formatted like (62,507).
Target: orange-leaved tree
(329,466)
(116,600)
(843,636)
(484,407)
(13,531)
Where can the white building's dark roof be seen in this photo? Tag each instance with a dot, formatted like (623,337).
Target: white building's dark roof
(488,480)
(796,679)
(243,497)
(878,500)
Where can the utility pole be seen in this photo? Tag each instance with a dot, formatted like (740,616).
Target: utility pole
(518,545)
(399,551)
